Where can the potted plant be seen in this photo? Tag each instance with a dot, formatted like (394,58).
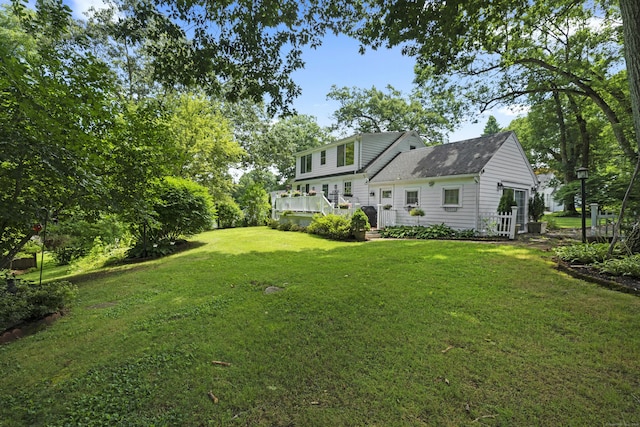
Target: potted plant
(297,193)
(359,225)
(536,211)
(387,207)
(417,212)
(344,205)
(312,193)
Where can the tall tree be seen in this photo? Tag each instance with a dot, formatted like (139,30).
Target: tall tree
(204,144)
(372,110)
(491,127)
(55,111)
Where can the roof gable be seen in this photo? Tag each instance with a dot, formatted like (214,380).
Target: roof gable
(466,157)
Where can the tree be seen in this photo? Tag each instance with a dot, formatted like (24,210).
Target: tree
(204,144)
(55,110)
(491,127)
(243,49)
(371,110)
(255,205)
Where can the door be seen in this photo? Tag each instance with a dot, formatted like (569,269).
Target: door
(521,200)
(386,196)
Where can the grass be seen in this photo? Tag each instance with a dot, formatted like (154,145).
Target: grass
(567,221)
(383,333)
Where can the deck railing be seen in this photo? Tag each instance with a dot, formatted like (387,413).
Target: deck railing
(386,217)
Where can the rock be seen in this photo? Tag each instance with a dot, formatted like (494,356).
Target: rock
(272,290)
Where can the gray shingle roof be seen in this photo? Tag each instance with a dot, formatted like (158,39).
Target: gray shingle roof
(457,158)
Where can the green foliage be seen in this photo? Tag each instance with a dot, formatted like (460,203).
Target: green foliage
(372,110)
(336,227)
(625,266)
(507,201)
(492,127)
(229,213)
(360,221)
(31,301)
(55,107)
(255,205)
(183,208)
(75,235)
(416,212)
(588,253)
(536,207)
(438,231)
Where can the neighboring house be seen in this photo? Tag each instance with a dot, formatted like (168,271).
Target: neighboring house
(458,184)
(549,186)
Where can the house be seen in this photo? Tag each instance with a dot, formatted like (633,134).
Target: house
(549,186)
(390,174)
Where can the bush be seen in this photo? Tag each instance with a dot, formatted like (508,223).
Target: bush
(438,231)
(626,266)
(74,236)
(31,301)
(273,223)
(229,214)
(583,253)
(536,207)
(336,227)
(185,208)
(360,221)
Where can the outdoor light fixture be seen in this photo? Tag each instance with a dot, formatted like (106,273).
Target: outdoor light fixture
(500,185)
(582,174)
(372,194)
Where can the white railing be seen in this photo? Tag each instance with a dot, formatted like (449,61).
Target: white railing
(308,204)
(602,223)
(498,224)
(386,217)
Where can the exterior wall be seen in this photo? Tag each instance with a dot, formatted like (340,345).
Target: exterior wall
(359,188)
(411,140)
(330,167)
(509,167)
(430,196)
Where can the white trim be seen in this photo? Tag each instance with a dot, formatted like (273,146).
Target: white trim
(460,196)
(406,190)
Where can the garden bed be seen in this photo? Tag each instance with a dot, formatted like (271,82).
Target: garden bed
(618,283)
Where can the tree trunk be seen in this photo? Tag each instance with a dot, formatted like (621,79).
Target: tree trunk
(630,11)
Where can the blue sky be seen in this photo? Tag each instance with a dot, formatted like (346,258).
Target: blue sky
(339,62)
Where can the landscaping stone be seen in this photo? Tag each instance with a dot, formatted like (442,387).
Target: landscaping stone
(272,290)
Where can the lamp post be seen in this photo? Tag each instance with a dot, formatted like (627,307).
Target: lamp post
(583,174)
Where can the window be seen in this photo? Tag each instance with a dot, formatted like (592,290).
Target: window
(411,197)
(323,157)
(386,194)
(325,190)
(451,197)
(345,154)
(306,188)
(305,164)
(347,188)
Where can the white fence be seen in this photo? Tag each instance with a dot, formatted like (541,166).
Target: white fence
(498,224)
(602,223)
(386,217)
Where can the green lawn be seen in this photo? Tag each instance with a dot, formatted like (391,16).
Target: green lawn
(382,333)
(567,221)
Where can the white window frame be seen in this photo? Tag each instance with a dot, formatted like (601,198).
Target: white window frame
(406,194)
(452,205)
(344,188)
(306,164)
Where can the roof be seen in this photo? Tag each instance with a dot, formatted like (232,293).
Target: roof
(466,157)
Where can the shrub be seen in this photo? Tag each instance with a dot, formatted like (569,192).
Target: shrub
(583,253)
(273,223)
(229,214)
(336,227)
(31,301)
(284,226)
(360,221)
(536,207)
(185,208)
(438,231)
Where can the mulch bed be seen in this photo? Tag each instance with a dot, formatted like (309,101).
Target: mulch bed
(625,284)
